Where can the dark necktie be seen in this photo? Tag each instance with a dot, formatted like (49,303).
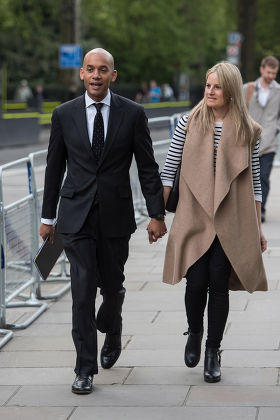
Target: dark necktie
(98,132)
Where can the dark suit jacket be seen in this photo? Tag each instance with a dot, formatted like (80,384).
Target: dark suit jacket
(127,134)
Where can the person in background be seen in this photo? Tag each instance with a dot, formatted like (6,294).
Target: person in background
(141,96)
(39,98)
(263,101)
(154,92)
(96,136)
(23,92)
(167,92)
(216,239)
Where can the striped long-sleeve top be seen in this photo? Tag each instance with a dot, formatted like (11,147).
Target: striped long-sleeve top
(175,151)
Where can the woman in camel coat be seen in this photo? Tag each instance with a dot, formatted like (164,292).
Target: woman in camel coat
(216,240)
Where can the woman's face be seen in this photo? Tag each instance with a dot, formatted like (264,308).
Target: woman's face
(214,93)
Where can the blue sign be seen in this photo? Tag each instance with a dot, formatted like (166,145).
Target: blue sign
(235,38)
(70,56)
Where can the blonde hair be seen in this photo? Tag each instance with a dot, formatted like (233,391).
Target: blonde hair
(230,79)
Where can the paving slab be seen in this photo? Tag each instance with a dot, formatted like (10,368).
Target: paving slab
(153,301)
(49,330)
(251,358)
(185,376)
(103,395)
(253,328)
(35,413)
(6,392)
(139,275)
(165,413)
(239,396)
(37,359)
(269,413)
(58,376)
(66,317)
(230,342)
(151,358)
(135,328)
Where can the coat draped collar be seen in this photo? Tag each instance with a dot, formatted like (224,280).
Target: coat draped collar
(232,158)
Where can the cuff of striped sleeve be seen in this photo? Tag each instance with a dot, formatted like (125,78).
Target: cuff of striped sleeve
(258,197)
(167,183)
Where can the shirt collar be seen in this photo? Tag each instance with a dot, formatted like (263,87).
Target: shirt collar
(260,86)
(106,100)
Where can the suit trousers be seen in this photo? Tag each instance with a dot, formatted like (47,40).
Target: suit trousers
(266,162)
(95,261)
(209,274)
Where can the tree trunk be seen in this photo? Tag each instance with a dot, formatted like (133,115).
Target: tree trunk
(70,34)
(247,16)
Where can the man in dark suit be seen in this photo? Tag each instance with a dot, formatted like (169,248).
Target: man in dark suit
(96,136)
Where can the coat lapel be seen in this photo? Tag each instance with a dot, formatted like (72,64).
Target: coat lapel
(115,119)
(81,122)
(198,171)
(232,159)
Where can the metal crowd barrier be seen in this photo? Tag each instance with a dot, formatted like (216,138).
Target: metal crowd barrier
(17,234)
(20,283)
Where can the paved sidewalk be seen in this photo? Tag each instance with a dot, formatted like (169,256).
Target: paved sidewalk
(150,380)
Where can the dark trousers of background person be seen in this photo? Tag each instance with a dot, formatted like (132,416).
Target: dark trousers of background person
(266,162)
(209,274)
(95,261)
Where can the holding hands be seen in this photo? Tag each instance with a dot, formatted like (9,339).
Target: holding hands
(156,229)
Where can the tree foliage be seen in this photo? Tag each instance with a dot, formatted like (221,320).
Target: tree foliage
(154,39)
(29,41)
(150,39)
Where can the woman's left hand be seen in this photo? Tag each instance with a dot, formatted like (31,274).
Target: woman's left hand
(263,242)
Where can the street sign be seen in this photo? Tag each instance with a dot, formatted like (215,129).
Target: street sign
(233,51)
(235,38)
(70,56)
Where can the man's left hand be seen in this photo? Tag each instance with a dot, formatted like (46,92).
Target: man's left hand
(156,229)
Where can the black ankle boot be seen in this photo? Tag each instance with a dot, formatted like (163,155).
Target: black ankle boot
(212,365)
(193,348)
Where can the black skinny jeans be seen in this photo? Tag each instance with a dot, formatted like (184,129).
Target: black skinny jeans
(209,274)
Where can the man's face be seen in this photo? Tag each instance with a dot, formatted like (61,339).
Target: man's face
(268,73)
(97,73)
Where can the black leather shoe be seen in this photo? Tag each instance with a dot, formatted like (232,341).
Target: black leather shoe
(82,384)
(111,350)
(193,348)
(212,365)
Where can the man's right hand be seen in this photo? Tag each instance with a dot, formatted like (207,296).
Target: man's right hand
(47,231)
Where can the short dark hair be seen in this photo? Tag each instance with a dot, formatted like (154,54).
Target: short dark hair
(270,61)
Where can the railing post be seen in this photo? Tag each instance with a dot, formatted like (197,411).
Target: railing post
(34,227)
(2,266)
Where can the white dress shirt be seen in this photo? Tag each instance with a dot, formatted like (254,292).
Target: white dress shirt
(263,93)
(90,114)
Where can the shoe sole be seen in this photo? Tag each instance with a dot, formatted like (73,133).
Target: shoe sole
(82,392)
(213,380)
(191,366)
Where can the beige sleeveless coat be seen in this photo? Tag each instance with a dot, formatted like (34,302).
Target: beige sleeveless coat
(221,205)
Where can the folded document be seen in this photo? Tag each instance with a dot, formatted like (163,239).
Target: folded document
(48,254)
